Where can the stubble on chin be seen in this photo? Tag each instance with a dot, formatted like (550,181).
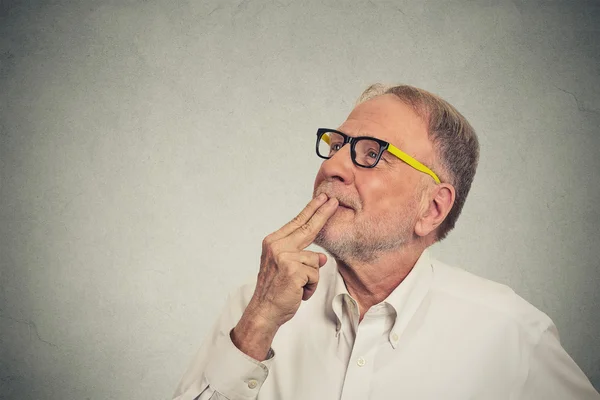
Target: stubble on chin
(363,242)
(350,247)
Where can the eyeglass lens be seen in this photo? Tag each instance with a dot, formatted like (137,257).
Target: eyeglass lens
(366,150)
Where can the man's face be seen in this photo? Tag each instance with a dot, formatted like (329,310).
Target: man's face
(378,206)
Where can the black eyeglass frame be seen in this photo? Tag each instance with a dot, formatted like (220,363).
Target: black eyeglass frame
(383,145)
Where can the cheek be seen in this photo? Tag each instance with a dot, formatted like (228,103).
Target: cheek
(382,196)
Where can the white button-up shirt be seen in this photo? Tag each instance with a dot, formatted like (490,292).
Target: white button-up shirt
(443,333)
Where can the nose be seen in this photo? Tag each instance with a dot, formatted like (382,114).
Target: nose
(339,167)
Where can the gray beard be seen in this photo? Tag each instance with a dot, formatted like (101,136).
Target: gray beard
(365,246)
(366,243)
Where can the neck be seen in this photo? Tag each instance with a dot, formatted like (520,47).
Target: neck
(371,283)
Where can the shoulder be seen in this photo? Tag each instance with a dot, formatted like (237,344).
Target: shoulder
(487,299)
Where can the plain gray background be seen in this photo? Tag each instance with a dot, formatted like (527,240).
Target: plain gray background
(147,147)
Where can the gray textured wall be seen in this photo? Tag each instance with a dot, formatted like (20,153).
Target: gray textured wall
(147,147)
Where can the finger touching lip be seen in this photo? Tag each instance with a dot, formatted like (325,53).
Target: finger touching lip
(345,200)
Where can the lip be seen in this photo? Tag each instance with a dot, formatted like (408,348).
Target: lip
(341,204)
(345,207)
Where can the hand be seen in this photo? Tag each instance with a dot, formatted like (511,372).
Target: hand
(288,274)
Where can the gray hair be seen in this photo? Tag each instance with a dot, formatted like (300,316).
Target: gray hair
(454,141)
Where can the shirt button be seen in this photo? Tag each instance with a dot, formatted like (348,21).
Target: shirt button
(361,361)
(252,384)
(394,337)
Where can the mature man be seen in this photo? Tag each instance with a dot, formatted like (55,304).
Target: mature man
(384,320)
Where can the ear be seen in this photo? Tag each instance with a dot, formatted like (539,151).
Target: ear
(439,203)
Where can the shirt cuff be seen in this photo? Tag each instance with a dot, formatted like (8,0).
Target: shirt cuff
(235,374)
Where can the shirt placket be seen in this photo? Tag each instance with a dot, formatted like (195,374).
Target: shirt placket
(360,371)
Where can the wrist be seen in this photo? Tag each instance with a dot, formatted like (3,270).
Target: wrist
(253,335)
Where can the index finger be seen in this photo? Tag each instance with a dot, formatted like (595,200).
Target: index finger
(306,234)
(301,218)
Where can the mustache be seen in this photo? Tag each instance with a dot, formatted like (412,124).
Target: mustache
(344,199)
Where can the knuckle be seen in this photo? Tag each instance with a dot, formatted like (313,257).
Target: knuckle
(270,259)
(299,280)
(267,241)
(321,212)
(281,259)
(275,248)
(278,258)
(269,247)
(305,228)
(298,218)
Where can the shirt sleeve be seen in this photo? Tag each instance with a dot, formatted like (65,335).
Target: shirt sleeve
(553,374)
(220,370)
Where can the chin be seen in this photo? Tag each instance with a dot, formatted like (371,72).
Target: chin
(340,221)
(333,232)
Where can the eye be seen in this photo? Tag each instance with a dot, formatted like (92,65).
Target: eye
(336,146)
(372,154)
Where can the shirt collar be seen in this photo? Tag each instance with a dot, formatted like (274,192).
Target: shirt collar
(338,293)
(404,299)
